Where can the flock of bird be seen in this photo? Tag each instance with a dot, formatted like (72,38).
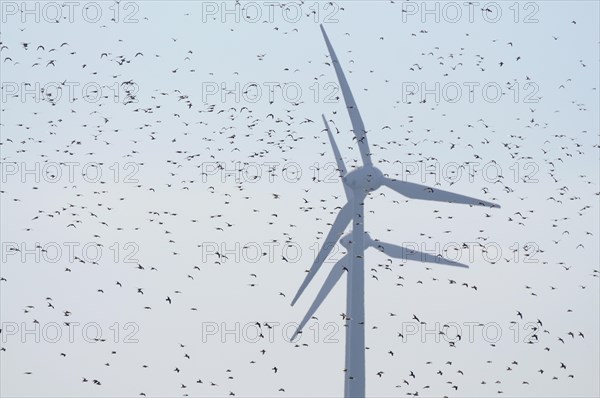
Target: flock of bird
(158,150)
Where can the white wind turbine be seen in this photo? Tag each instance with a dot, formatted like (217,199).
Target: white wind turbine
(357,184)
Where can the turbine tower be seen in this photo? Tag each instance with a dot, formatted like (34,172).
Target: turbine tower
(357,184)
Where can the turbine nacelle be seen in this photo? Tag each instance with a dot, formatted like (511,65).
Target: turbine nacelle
(364,179)
(346,241)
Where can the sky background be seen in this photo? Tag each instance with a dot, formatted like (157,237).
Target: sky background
(160,202)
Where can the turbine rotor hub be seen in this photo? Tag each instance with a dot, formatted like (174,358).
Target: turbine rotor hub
(364,179)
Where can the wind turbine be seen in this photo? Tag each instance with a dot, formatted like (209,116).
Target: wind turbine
(357,184)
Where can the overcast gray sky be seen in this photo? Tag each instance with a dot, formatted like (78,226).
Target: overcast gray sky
(169,100)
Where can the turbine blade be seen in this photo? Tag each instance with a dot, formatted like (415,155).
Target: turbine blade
(334,276)
(336,151)
(423,192)
(402,252)
(357,123)
(342,220)
(338,158)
